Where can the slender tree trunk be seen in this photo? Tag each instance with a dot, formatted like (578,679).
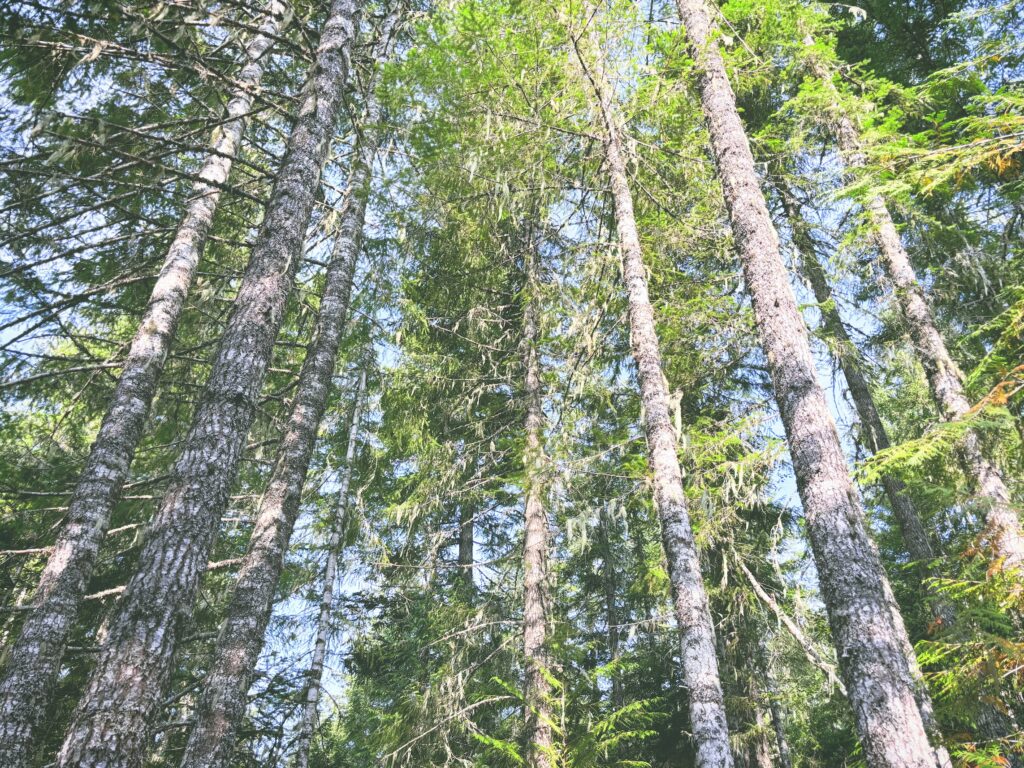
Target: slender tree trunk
(870,639)
(915,537)
(774,707)
(912,528)
(750,746)
(539,720)
(335,543)
(1002,526)
(222,706)
(699,662)
(467,532)
(759,751)
(34,661)
(116,715)
(611,611)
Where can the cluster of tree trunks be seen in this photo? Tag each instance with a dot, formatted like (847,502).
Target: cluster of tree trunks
(115,716)
(869,636)
(114,722)
(34,661)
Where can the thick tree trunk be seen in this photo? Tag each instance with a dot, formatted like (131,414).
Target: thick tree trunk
(870,640)
(339,527)
(1003,531)
(116,715)
(696,630)
(915,537)
(539,731)
(912,528)
(34,661)
(222,707)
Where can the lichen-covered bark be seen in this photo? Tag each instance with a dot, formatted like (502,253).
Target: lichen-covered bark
(869,638)
(335,542)
(115,717)
(539,733)
(34,660)
(912,528)
(1003,531)
(696,630)
(222,705)
(915,537)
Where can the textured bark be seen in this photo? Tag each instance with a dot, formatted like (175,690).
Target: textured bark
(870,639)
(1003,531)
(335,543)
(115,717)
(911,527)
(539,733)
(35,659)
(696,630)
(222,707)
(915,537)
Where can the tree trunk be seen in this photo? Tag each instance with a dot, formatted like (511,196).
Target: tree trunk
(915,537)
(539,720)
(222,706)
(869,638)
(759,751)
(610,583)
(774,705)
(34,661)
(335,543)
(911,527)
(1003,531)
(467,532)
(116,715)
(699,662)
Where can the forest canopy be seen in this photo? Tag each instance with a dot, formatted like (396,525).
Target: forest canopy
(499,383)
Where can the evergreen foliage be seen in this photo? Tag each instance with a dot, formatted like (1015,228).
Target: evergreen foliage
(491,144)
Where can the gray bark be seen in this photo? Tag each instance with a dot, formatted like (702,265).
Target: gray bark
(1003,531)
(115,717)
(915,537)
(34,661)
(222,706)
(870,638)
(537,693)
(696,630)
(335,542)
(911,527)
